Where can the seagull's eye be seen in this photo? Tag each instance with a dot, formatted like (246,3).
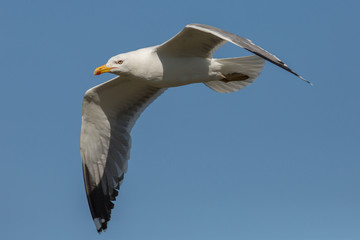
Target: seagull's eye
(120,61)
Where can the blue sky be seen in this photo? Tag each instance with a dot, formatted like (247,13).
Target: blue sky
(277,160)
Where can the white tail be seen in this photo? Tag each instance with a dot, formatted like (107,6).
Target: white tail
(250,66)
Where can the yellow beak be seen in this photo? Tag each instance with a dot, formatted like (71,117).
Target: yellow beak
(102,69)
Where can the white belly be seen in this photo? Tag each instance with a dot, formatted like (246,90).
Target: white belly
(182,71)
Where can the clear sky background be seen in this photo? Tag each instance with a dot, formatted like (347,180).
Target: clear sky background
(278,160)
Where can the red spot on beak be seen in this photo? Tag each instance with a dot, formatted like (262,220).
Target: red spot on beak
(101,70)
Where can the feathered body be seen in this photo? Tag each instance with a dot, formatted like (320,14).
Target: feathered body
(111,109)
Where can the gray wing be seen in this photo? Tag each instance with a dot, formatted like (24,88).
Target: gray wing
(198,40)
(108,115)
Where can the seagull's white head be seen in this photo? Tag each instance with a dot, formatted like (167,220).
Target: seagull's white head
(142,64)
(116,65)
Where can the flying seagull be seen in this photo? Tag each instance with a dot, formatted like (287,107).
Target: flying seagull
(110,109)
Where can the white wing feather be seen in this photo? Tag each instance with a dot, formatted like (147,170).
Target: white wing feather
(199,40)
(108,115)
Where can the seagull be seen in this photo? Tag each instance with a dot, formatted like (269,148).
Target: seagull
(110,110)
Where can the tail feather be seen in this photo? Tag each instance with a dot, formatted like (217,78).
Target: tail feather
(250,66)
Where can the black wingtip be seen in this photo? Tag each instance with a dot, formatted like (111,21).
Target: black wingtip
(305,80)
(100,224)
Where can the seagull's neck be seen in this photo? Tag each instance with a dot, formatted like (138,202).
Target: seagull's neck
(145,64)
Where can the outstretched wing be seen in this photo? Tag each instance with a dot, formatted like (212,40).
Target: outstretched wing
(198,40)
(108,115)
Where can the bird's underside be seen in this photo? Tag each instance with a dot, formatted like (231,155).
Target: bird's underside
(111,109)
